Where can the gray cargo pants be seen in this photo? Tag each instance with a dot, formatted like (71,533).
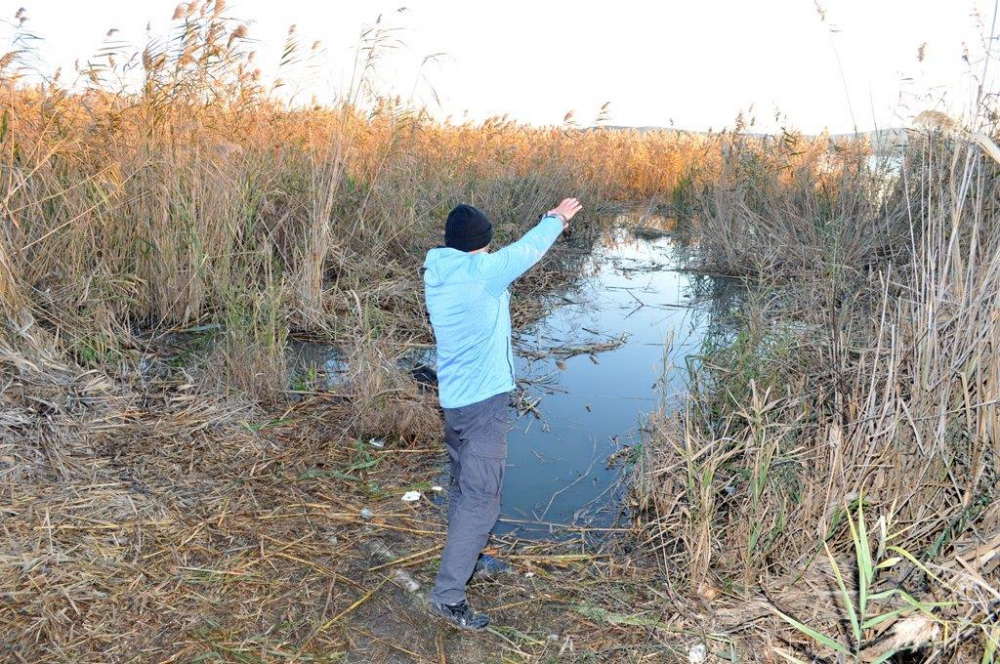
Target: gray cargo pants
(476,437)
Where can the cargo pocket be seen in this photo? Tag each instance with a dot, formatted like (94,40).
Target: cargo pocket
(502,416)
(490,439)
(494,447)
(482,479)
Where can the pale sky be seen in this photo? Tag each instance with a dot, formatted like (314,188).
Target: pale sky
(692,64)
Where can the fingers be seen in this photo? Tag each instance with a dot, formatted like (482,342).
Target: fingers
(568,208)
(570,204)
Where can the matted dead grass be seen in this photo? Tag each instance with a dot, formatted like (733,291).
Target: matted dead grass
(152,522)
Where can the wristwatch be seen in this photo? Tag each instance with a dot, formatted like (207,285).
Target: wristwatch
(561,216)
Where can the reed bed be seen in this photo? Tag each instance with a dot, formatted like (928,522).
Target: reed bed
(855,386)
(167,508)
(195,197)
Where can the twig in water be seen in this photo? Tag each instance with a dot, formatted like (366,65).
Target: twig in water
(574,482)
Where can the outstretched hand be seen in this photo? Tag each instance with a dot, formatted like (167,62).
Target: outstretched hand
(566,210)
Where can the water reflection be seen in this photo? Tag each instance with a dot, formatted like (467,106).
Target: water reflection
(316,365)
(606,354)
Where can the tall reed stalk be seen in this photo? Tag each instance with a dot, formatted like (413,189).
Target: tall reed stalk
(864,364)
(176,186)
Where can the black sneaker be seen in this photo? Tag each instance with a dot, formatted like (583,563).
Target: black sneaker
(460,615)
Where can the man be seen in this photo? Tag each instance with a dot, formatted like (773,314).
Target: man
(466,292)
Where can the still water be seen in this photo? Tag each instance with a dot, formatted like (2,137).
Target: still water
(639,315)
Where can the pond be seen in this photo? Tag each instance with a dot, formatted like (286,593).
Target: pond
(610,350)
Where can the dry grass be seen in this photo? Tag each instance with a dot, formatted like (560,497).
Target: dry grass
(863,370)
(194,513)
(156,522)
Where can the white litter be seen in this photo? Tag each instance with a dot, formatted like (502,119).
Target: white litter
(411,496)
(377,442)
(366,513)
(437,488)
(381,550)
(698,653)
(528,575)
(405,580)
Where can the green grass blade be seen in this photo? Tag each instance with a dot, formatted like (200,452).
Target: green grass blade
(888,562)
(866,571)
(923,568)
(848,603)
(992,640)
(878,620)
(818,637)
(926,607)
(884,658)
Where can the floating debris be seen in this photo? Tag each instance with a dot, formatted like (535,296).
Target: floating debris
(649,233)
(568,351)
(622,455)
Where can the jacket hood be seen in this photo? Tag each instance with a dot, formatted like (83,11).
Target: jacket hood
(442,262)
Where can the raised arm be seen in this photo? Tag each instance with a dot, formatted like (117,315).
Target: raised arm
(509,263)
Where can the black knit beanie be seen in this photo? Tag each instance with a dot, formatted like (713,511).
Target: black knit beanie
(467,229)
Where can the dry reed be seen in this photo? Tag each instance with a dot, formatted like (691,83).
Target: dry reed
(863,371)
(152,514)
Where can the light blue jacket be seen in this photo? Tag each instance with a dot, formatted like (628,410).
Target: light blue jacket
(469,306)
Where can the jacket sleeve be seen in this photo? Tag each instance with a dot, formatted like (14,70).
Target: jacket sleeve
(501,268)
